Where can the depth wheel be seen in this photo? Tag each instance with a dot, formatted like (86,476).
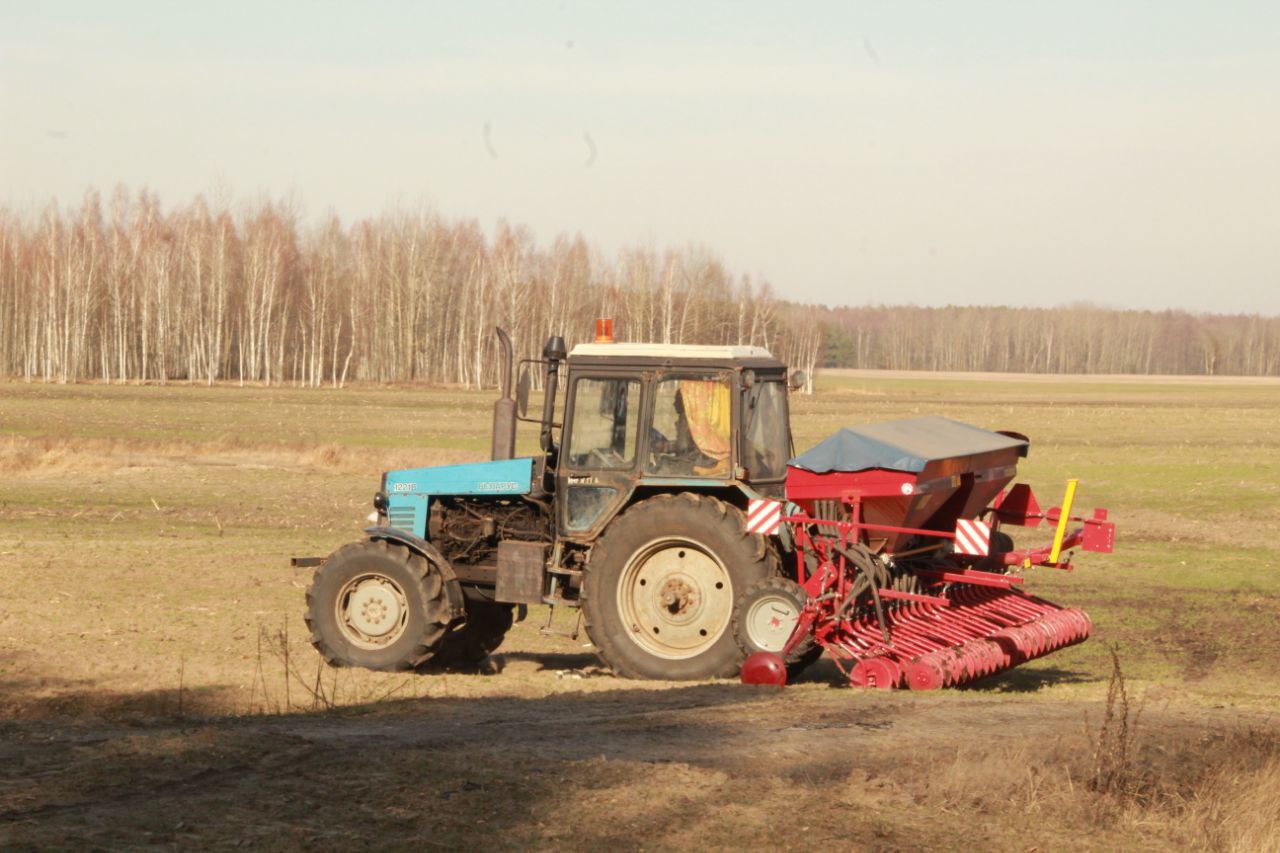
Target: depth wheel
(378,606)
(1001,543)
(765,617)
(659,591)
(766,614)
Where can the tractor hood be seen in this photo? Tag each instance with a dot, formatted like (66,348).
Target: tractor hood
(499,477)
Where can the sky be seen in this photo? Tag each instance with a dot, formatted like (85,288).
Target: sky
(1015,153)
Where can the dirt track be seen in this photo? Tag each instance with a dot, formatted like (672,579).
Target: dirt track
(716,765)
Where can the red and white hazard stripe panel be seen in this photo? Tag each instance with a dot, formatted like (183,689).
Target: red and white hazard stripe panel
(973,537)
(764,516)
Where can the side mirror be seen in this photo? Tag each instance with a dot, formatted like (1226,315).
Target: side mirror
(797,380)
(522,392)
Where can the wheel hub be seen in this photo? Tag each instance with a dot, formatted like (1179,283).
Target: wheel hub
(679,596)
(676,598)
(372,610)
(770,621)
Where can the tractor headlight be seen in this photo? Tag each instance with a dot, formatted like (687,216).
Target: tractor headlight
(380,501)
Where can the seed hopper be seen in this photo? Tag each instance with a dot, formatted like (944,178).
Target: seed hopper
(905,575)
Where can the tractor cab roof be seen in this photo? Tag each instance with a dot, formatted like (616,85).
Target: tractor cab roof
(674,354)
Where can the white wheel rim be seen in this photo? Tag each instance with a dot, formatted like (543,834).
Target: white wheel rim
(675,598)
(372,611)
(770,620)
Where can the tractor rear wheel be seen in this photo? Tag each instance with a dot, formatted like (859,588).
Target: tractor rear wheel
(378,606)
(467,646)
(659,591)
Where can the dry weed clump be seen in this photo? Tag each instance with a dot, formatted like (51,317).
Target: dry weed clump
(290,676)
(21,455)
(1220,790)
(1114,772)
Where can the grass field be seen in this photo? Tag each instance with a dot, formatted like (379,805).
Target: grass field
(156,687)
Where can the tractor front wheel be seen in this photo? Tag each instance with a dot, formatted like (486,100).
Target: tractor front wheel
(660,587)
(378,606)
(467,646)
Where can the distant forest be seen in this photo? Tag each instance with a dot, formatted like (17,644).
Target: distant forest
(125,290)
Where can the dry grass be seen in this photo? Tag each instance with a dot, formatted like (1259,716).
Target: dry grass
(1215,790)
(22,456)
(1112,743)
(156,688)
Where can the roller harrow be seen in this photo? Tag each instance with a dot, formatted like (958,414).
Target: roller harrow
(972,633)
(895,598)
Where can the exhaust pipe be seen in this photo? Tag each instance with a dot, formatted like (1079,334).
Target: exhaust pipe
(504,408)
(553,352)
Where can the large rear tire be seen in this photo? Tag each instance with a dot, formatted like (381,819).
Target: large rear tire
(660,587)
(377,605)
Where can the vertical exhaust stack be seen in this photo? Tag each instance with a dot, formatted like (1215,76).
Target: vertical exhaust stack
(553,352)
(504,408)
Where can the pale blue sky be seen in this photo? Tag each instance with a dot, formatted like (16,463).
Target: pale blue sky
(1016,153)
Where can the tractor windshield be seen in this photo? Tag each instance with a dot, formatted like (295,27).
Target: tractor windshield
(766,445)
(689,436)
(605,415)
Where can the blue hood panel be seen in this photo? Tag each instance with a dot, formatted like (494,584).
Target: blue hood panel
(499,477)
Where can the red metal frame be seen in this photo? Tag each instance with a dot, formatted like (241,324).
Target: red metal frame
(965,623)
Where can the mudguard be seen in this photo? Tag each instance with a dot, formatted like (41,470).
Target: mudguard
(453,589)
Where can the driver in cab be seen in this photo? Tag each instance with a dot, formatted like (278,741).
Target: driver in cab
(698,415)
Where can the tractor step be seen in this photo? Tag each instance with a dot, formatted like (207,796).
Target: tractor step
(547,631)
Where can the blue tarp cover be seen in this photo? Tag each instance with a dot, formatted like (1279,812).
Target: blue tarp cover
(904,445)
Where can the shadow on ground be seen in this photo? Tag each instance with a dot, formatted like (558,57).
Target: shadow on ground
(709,765)
(1025,679)
(514,772)
(557,661)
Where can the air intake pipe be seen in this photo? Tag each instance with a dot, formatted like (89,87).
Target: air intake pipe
(504,408)
(553,352)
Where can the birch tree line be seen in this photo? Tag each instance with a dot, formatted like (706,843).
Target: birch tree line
(123,290)
(1074,339)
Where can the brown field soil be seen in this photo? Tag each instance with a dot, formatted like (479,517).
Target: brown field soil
(156,688)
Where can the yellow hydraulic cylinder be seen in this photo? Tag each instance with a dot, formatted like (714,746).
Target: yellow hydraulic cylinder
(1058,534)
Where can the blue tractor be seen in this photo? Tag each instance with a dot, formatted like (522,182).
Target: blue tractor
(633,511)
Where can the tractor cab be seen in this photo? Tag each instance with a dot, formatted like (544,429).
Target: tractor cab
(649,418)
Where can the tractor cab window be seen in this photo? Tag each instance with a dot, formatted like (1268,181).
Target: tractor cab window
(606,413)
(766,444)
(690,433)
